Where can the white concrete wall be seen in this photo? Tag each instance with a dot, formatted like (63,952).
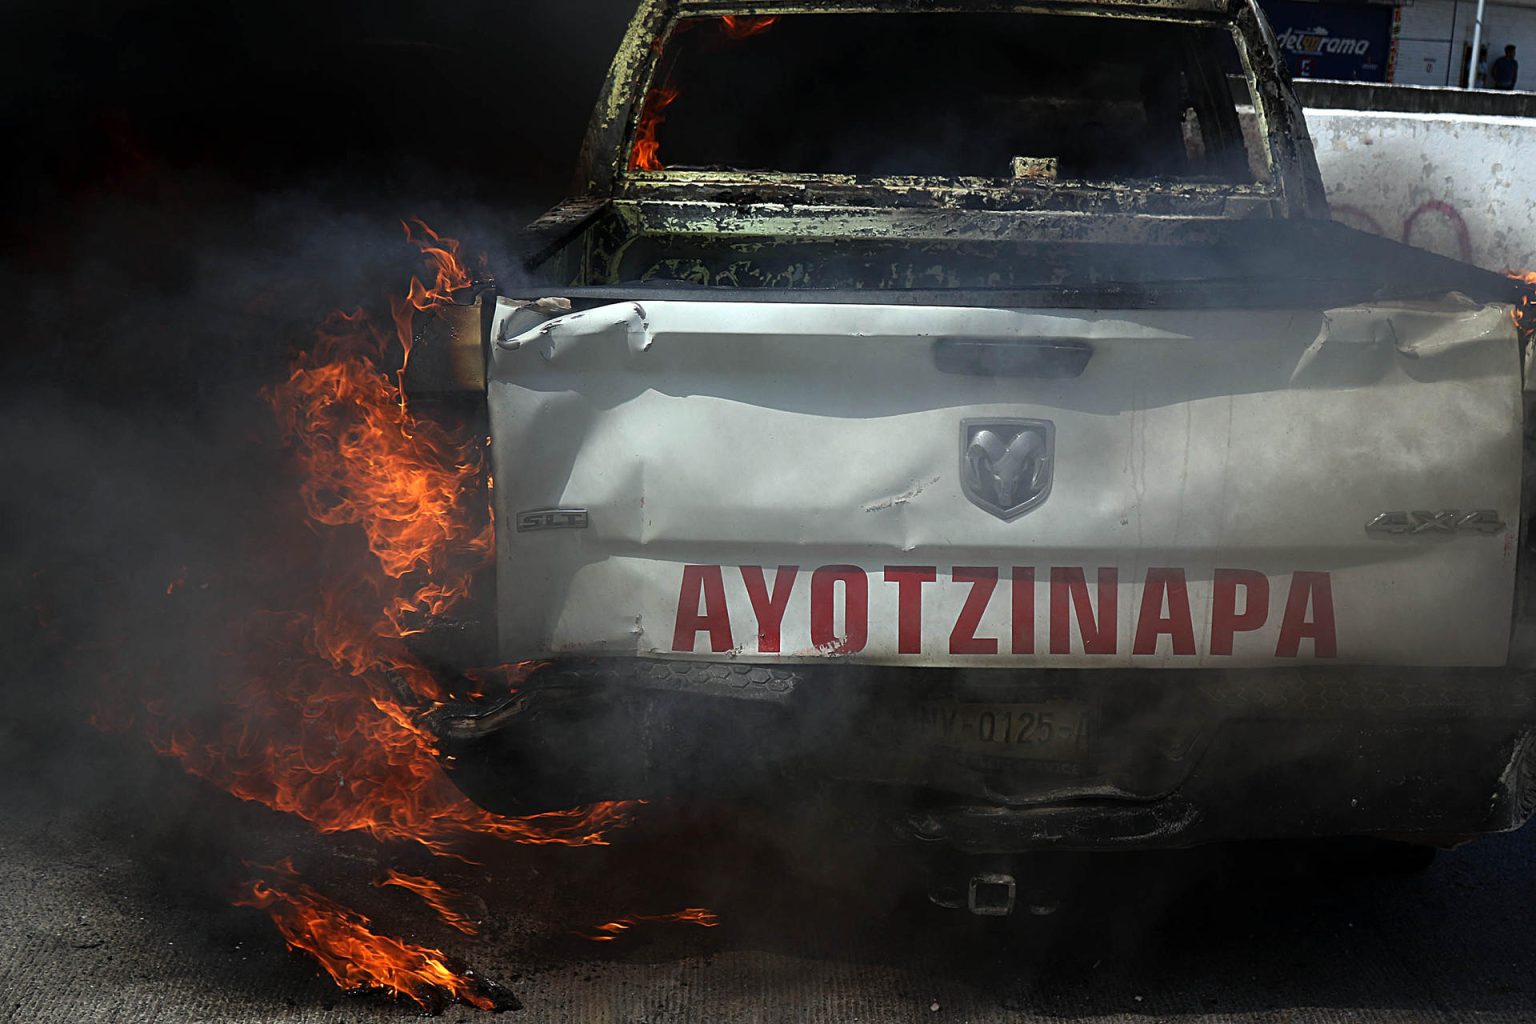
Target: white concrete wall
(1459,185)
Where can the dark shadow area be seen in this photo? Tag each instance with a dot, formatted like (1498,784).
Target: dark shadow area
(953,95)
(193,189)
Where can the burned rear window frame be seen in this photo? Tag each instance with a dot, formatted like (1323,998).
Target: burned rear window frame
(1285,185)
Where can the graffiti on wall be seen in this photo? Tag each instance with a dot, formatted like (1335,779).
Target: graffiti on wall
(1420,224)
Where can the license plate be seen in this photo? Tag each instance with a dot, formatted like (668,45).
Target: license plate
(1045,732)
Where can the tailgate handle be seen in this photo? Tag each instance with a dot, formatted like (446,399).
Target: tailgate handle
(1048,358)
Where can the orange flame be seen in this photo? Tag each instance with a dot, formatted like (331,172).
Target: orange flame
(324,717)
(450,277)
(327,724)
(646,153)
(688,915)
(356,957)
(345,754)
(738,27)
(1524,312)
(369,463)
(441,900)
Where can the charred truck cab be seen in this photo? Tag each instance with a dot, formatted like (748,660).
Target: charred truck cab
(971,406)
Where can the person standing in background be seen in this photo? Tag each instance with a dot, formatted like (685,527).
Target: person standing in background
(1505,70)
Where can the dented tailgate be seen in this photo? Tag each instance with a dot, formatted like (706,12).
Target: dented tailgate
(994,487)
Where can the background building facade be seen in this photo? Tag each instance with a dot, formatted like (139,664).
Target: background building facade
(1424,42)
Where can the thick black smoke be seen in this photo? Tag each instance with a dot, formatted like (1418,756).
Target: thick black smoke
(194,186)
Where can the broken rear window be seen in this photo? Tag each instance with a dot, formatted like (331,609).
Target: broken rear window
(1020,96)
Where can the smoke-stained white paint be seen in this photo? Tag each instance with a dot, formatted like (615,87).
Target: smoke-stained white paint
(731,434)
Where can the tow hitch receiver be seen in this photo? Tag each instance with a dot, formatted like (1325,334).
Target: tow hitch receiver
(991,895)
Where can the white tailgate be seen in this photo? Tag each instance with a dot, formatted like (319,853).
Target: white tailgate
(777,481)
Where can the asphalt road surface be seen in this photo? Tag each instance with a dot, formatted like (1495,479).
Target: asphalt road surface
(116,870)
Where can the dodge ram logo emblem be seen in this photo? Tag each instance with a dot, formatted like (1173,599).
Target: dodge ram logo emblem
(1005,465)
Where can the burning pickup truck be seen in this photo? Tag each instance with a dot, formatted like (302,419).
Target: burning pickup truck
(969,406)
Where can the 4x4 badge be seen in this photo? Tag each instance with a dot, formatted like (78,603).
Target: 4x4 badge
(1005,465)
(1443,521)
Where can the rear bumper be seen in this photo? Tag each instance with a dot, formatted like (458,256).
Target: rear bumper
(1173,759)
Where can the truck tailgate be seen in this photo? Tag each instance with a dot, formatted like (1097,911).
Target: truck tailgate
(992,487)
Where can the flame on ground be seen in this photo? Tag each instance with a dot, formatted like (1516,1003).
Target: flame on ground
(688,915)
(357,958)
(444,901)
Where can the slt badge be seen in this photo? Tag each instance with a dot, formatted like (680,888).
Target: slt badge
(1005,465)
